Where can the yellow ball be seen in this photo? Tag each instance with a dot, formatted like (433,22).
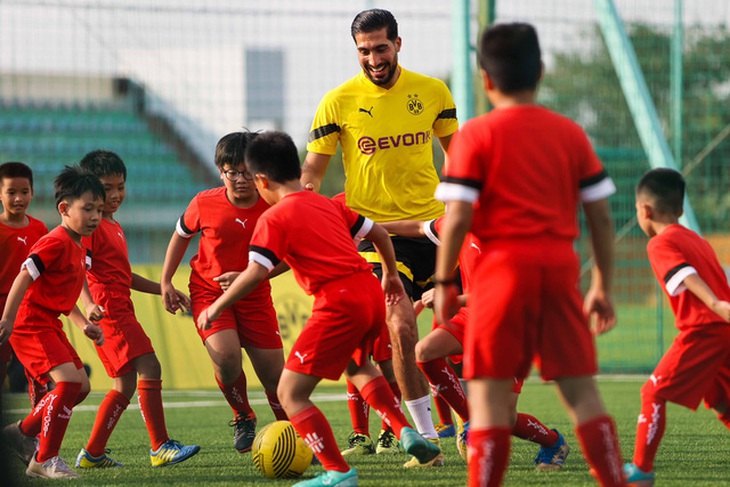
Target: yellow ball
(279,453)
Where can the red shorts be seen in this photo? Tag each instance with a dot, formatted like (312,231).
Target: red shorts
(382,350)
(455,326)
(40,343)
(696,367)
(347,316)
(124,337)
(253,319)
(526,307)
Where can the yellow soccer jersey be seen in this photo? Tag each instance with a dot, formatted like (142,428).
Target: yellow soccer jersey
(386,137)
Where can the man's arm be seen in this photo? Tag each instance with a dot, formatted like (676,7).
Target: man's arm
(445,142)
(598,298)
(313,170)
(404,228)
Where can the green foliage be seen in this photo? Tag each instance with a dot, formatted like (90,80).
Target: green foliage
(583,85)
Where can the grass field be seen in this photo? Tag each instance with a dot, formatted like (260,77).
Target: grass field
(694,450)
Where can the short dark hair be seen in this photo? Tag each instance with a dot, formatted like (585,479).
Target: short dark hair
(16,170)
(104,163)
(74,181)
(510,54)
(665,187)
(231,149)
(375,19)
(275,155)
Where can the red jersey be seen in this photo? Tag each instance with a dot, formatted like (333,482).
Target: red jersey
(468,254)
(58,266)
(15,245)
(111,258)
(226,232)
(313,234)
(677,253)
(526,169)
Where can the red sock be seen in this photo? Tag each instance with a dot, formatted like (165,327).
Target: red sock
(107,415)
(58,405)
(600,447)
(313,427)
(359,410)
(399,397)
(36,390)
(443,409)
(531,429)
(150,405)
(236,395)
(489,450)
(649,431)
(378,394)
(276,406)
(445,383)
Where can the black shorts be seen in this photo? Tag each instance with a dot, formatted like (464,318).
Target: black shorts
(416,258)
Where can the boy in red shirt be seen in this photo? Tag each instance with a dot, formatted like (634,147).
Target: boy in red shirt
(515,178)
(225,218)
(697,364)
(49,284)
(314,236)
(127,351)
(18,232)
(447,339)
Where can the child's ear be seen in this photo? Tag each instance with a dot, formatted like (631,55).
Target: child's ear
(63,208)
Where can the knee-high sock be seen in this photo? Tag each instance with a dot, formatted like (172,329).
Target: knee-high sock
(55,410)
(379,395)
(236,395)
(489,450)
(649,431)
(531,429)
(107,416)
(443,409)
(316,432)
(359,410)
(36,390)
(399,396)
(149,393)
(276,406)
(600,447)
(445,383)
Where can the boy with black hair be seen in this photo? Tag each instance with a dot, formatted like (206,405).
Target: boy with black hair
(128,350)
(18,232)
(696,366)
(515,178)
(49,284)
(314,236)
(225,217)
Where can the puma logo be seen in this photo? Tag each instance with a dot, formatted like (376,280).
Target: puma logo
(369,112)
(243,223)
(24,240)
(300,356)
(120,235)
(475,246)
(655,378)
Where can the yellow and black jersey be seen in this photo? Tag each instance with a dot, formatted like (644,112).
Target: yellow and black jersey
(386,137)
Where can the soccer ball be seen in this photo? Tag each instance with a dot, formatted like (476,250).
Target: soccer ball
(279,453)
